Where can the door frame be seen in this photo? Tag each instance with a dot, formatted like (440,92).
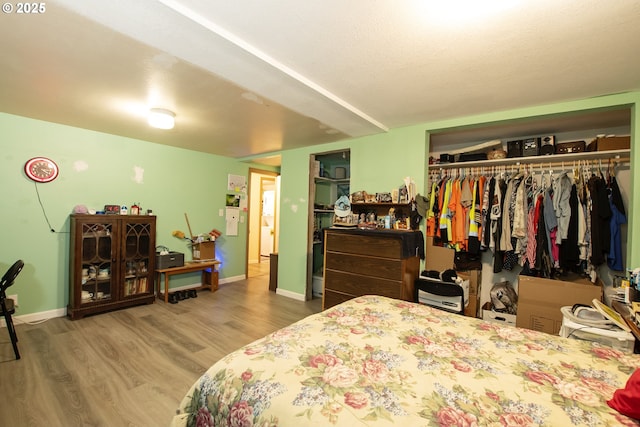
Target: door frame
(310,222)
(264,179)
(251,193)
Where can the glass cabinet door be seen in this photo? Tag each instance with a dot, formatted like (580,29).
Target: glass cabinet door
(138,243)
(112,263)
(97,262)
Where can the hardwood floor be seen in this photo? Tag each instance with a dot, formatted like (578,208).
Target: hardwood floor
(132,367)
(259,268)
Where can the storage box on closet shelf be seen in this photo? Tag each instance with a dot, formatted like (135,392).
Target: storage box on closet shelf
(496,154)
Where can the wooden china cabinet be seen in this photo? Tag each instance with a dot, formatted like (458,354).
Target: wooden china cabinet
(112,262)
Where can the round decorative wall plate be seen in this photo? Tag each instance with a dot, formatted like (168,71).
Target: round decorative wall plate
(41,169)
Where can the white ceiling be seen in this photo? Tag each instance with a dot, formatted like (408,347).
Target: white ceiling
(250,78)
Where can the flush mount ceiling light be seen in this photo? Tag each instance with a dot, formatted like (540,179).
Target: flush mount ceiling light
(465,11)
(161,118)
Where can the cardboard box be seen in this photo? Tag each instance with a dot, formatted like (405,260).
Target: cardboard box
(493,316)
(437,258)
(475,279)
(203,251)
(610,143)
(540,300)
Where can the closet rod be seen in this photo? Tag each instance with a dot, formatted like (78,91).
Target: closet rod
(556,160)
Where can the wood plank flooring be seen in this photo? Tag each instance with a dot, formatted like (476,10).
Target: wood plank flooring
(260,268)
(132,367)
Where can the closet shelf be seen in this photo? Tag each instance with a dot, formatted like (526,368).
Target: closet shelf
(332,180)
(554,160)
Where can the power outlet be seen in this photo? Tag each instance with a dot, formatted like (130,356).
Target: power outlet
(14,298)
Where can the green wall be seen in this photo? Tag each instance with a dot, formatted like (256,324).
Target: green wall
(380,162)
(98,169)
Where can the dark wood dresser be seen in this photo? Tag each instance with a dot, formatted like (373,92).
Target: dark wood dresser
(370,262)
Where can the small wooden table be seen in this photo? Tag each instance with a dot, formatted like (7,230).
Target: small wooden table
(209,278)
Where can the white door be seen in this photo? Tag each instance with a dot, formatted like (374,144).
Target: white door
(267,223)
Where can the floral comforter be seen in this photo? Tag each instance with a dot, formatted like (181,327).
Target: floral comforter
(375,361)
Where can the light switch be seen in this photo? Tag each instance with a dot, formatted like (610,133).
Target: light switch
(221,212)
(241,219)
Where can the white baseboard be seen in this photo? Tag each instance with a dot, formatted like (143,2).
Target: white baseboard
(289,294)
(195,285)
(183,288)
(62,312)
(232,279)
(36,317)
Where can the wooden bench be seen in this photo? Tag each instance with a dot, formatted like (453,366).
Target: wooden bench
(209,276)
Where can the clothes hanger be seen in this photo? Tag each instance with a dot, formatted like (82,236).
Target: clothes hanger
(600,168)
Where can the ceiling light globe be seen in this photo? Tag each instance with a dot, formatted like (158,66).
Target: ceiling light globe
(161,118)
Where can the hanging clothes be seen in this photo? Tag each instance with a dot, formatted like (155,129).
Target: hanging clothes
(618,217)
(532,230)
(437,206)
(583,236)
(550,225)
(431,215)
(497,216)
(510,208)
(561,192)
(568,222)
(525,203)
(507,215)
(616,195)
(600,216)
(475,218)
(487,206)
(520,212)
(569,251)
(457,206)
(444,221)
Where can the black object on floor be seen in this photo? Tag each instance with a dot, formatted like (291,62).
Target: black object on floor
(173,298)
(192,293)
(7,306)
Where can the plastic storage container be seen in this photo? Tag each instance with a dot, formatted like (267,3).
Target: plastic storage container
(616,338)
(495,316)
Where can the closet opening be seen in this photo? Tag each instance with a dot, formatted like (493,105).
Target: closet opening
(540,172)
(328,181)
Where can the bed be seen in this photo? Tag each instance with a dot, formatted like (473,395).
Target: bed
(376,361)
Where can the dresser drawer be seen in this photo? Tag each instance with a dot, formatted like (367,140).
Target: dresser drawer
(379,246)
(331,298)
(357,285)
(367,266)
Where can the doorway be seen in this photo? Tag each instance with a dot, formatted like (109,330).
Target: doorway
(262,238)
(328,181)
